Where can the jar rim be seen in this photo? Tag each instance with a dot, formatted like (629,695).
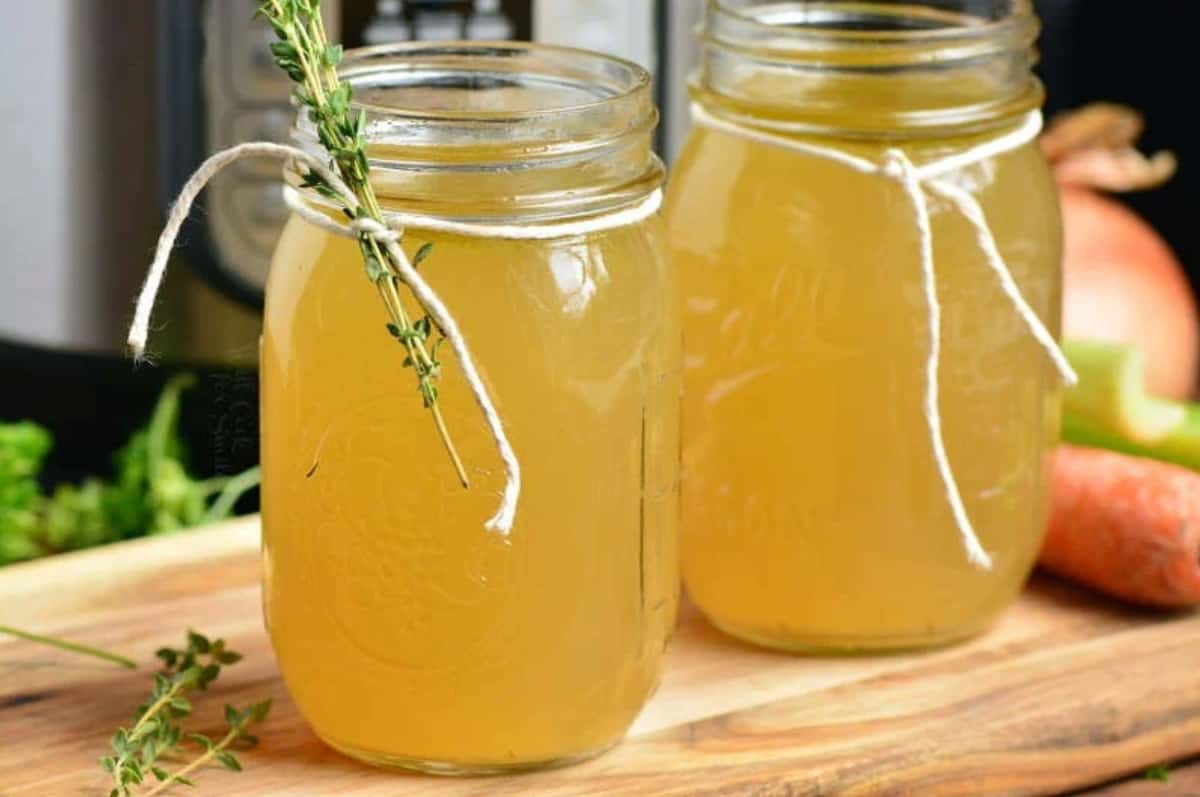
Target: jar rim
(869,69)
(804,30)
(493,102)
(569,67)
(523,129)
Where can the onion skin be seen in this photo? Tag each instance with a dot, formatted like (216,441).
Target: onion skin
(1123,284)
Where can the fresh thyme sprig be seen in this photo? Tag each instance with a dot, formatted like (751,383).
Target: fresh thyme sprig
(156,730)
(238,723)
(304,53)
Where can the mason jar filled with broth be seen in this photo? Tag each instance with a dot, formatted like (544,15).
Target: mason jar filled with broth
(868,244)
(408,633)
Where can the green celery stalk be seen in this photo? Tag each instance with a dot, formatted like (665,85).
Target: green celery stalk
(1181,446)
(1110,400)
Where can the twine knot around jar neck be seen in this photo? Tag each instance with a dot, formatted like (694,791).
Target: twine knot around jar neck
(364,225)
(897,166)
(917,184)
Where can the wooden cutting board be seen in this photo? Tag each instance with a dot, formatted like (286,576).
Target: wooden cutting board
(1067,690)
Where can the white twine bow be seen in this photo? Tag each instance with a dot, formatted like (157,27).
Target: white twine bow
(917,182)
(389,236)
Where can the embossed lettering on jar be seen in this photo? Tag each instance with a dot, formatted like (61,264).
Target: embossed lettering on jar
(814,514)
(407,633)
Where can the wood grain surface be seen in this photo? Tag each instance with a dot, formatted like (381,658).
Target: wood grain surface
(1066,691)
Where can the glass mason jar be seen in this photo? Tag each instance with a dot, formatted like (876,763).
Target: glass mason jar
(815,516)
(407,634)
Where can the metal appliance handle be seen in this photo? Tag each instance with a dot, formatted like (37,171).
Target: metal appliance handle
(182,149)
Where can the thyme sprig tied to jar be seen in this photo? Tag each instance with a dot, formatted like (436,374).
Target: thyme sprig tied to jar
(303,51)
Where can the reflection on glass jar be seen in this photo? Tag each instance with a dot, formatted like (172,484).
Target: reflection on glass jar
(407,633)
(815,516)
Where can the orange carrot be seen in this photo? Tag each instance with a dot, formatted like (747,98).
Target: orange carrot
(1125,525)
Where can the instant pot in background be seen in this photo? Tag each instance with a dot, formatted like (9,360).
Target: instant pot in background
(83,130)
(107,109)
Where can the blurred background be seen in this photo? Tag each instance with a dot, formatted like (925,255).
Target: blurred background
(108,105)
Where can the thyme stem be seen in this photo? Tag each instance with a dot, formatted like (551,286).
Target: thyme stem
(229,738)
(73,647)
(176,688)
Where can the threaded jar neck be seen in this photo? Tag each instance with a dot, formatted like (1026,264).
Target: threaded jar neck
(483,131)
(870,69)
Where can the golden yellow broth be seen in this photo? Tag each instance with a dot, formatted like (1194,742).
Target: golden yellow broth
(406,633)
(813,516)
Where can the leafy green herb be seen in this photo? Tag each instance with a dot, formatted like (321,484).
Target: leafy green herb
(156,732)
(303,52)
(421,254)
(1159,772)
(152,492)
(23,448)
